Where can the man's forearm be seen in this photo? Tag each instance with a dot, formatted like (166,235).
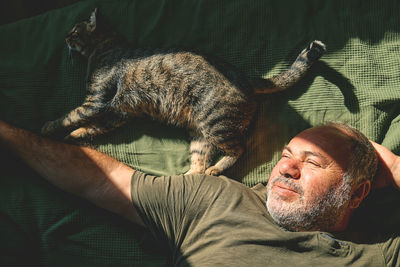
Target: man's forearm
(82,171)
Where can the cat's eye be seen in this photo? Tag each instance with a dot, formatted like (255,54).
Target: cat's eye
(74,30)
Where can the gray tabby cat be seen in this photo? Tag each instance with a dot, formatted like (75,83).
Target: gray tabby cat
(209,97)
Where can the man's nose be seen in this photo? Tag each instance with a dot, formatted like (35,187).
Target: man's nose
(290,168)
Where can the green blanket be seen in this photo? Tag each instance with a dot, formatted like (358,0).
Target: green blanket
(357,81)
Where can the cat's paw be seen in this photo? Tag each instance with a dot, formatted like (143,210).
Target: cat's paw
(193,172)
(79,133)
(49,128)
(315,50)
(214,171)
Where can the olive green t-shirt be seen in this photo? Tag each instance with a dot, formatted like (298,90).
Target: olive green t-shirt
(216,221)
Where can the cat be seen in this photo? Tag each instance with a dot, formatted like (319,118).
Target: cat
(207,96)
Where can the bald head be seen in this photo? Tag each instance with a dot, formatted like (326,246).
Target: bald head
(362,158)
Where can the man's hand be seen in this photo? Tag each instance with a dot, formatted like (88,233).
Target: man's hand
(388,169)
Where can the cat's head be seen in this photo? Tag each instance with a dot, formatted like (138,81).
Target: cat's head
(85,35)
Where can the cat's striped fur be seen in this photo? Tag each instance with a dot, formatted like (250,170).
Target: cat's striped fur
(209,97)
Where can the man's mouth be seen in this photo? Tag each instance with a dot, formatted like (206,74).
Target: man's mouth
(284,188)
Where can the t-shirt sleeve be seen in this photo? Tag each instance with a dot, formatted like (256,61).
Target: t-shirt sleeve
(163,203)
(391,250)
(179,209)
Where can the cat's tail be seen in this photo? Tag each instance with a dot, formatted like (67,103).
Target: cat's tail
(291,76)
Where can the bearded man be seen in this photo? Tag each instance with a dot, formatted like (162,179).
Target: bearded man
(322,177)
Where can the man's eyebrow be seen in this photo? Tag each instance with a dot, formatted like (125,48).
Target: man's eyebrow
(287,148)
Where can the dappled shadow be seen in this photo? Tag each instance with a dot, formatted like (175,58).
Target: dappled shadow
(378,213)
(271,130)
(321,68)
(344,84)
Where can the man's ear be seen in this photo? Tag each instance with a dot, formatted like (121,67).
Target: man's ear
(360,192)
(93,21)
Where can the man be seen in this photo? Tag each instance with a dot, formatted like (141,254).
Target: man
(324,174)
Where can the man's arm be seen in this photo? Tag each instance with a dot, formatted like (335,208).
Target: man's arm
(388,169)
(82,171)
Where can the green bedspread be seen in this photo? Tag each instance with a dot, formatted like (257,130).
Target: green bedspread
(357,81)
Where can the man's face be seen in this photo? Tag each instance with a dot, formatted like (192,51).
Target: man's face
(306,190)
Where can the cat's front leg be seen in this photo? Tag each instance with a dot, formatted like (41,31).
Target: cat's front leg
(74,119)
(84,133)
(50,127)
(57,127)
(105,123)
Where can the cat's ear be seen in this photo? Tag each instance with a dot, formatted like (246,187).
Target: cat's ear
(93,20)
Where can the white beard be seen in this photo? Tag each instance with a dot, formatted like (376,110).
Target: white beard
(321,213)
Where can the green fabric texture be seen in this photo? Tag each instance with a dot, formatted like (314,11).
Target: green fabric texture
(357,81)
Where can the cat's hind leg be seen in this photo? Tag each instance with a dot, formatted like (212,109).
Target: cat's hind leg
(231,156)
(228,139)
(201,152)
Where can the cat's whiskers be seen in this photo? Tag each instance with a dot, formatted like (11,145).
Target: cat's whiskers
(70,58)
